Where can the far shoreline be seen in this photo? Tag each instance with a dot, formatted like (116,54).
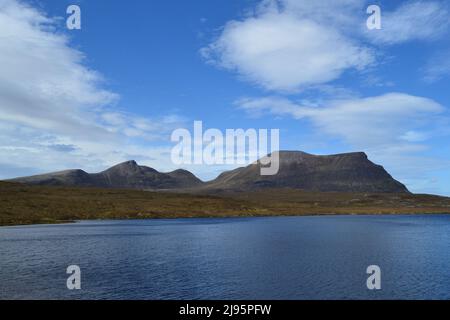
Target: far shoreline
(74,222)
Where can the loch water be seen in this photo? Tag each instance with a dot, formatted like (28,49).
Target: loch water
(317,257)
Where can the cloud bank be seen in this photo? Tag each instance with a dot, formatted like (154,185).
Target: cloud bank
(54,110)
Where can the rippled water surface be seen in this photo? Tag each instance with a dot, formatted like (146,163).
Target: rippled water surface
(257,258)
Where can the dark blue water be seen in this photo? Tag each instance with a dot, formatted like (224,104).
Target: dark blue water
(258,258)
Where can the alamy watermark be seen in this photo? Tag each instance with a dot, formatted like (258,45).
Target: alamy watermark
(73,22)
(74,280)
(235,146)
(374,20)
(374,280)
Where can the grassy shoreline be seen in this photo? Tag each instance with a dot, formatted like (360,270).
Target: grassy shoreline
(28,205)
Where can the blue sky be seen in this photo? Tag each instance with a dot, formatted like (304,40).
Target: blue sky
(137,70)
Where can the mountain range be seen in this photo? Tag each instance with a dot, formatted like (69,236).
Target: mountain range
(348,172)
(127,175)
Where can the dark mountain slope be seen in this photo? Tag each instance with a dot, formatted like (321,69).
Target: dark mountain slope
(350,172)
(127,175)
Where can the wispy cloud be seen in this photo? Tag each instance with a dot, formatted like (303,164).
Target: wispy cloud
(132,126)
(363,122)
(437,67)
(413,20)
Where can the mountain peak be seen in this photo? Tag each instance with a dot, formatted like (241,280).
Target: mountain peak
(129,174)
(129,163)
(129,168)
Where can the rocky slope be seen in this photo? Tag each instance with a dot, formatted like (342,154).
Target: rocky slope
(349,172)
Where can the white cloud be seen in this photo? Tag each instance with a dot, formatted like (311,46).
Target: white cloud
(418,20)
(29,151)
(289,45)
(414,136)
(285,48)
(133,126)
(362,122)
(343,14)
(54,111)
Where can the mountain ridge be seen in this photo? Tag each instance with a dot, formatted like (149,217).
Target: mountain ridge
(345,172)
(126,175)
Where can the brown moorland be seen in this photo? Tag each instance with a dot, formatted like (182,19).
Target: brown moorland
(24,204)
